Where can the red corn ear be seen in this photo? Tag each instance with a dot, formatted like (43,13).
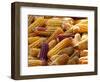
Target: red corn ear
(43,51)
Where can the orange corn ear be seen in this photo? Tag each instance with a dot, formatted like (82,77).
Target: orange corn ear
(38,22)
(64,43)
(81,28)
(36,63)
(55,34)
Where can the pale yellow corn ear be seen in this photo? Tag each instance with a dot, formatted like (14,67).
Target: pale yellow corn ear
(77,38)
(84,36)
(38,22)
(82,21)
(83,53)
(64,43)
(34,52)
(51,28)
(32,39)
(52,43)
(80,28)
(61,60)
(54,22)
(36,63)
(83,58)
(55,34)
(82,44)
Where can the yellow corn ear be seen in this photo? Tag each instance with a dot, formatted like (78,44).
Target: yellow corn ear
(32,39)
(30,19)
(64,43)
(55,34)
(38,22)
(34,52)
(54,22)
(52,43)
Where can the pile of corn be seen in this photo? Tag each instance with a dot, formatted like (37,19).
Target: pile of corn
(57,40)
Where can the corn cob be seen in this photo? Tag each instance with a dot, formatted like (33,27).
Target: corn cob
(67,23)
(30,19)
(63,36)
(36,63)
(83,53)
(32,58)
(43,33)
(37,43)
(55,34)
(40,28)
(82,44)
(68,50)
(83,61)
(32,39)
(38,22)
(76,39)
(61,60)
(52,43)
(74,60)
(80,28)
(43,52)
(82,21)
(54,22)
(34,52)
(64,43)
(31,35)
(54,57)
(84,36)
(83,58)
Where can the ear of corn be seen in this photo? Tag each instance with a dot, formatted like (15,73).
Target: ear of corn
(36,63)
(68,50)
(30,19)
(82,44)
(52,43)
(76,39)
(43,33)
(63,36)
(54,22)
(61,60)
(84,36)
(31,35)
(38,22)
(34,52)
(64,43)
(82,21)
(55,34)
(84,53)
(80,28)
(37,43)
(32,39)
(43,51)
(74,60)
